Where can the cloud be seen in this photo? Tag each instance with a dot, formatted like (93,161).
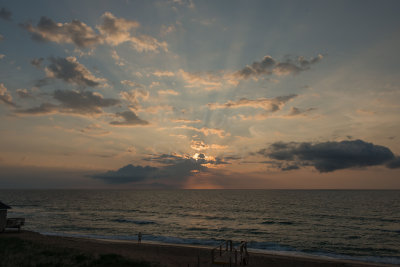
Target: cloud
(166,73)
(73,102)
(5,96)
(268,104)
(113,31)
(129,119)
(83,102)
(128,174)
(168,92)
(5,13)
(71,71)
(94,130)
(205,131)
(298,112)
(158,108)
(118,60)
(188,3)
(185,121)
(132,84)
(175,170)
(269,66)
(215,80)
(75,32)
(24,93)
(207,80)
(45,108)
(37,62)
(133,96)
(1,37)
(200,146)
(2,56)
(116,30)
(328,156)
(394,164)
(165,30)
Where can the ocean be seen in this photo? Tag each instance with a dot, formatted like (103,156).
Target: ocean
(346,224)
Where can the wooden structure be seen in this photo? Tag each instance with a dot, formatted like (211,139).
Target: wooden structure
(3,216)
(227,255)
(5,222)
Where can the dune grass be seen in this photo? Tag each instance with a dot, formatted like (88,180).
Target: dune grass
(18,252)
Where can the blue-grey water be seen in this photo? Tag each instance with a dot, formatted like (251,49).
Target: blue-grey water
(362,225)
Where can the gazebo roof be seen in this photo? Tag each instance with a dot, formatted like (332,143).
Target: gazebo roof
(4,206)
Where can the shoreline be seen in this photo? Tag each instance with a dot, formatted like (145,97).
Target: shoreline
(168,254)
(283,253)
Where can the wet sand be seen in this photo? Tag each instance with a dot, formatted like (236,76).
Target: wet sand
(175,255)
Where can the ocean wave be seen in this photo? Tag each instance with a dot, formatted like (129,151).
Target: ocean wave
(139,222)
(278,222)
(197,229)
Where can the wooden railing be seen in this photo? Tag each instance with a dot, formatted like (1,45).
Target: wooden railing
(15,223)
(226,254)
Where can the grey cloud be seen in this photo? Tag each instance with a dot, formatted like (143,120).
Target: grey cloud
(71,71)
(129,119)
(175,159)
(165,158)
(7,100)
(42,82)
(5,13)
(175,171)
(37,62)
(23,93)
(290,167)
(296,111)
(75,32)
(128,174)
(265,66)
(83,102)
(268,104)
(268,66)
(328,156)
(45,108)
(73,102)
(394,164)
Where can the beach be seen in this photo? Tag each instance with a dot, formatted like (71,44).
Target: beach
(169,255)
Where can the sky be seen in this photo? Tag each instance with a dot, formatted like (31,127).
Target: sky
(200,94)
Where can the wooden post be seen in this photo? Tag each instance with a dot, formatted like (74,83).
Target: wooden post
(212,256)
(235,257)
(220,250)
(198,261)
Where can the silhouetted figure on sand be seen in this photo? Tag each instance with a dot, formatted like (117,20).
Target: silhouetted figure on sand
(139,237)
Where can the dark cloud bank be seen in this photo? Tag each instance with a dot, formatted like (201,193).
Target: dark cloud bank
(175,170)
(330,156)
(72,101)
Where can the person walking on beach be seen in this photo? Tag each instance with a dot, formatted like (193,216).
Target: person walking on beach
(139,237)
